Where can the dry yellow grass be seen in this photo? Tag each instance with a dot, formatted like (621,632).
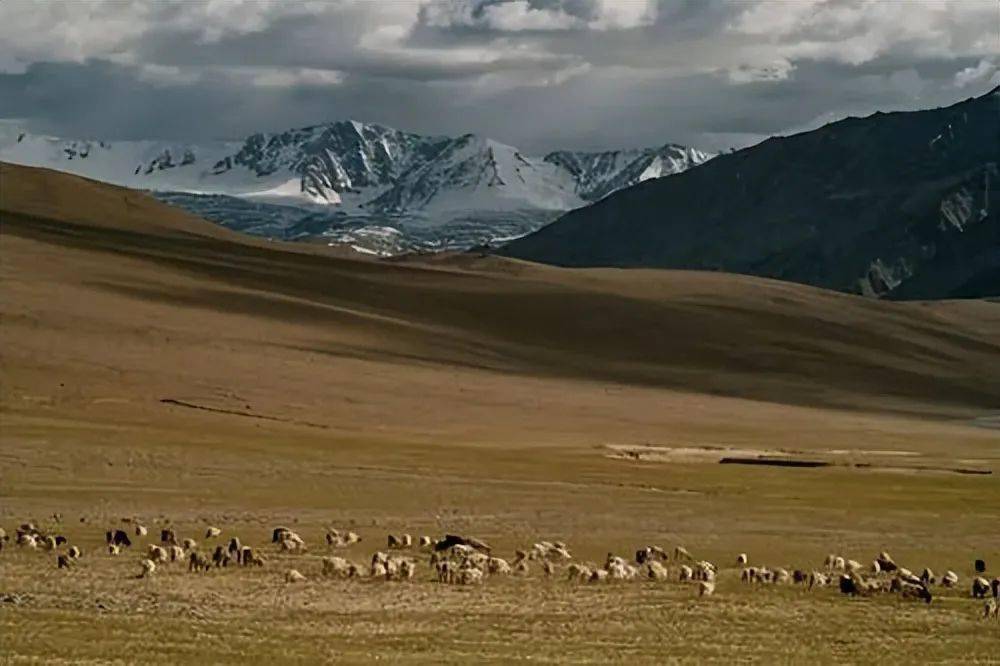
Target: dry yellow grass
(477,396)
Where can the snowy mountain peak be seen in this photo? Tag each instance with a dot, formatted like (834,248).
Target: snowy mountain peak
(356,171)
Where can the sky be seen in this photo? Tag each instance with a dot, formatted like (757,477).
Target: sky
(537,74)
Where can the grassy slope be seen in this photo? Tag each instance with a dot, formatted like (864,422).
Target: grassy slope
(471,397)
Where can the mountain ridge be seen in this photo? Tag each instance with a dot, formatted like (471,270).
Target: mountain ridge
(435,192)
(900,205)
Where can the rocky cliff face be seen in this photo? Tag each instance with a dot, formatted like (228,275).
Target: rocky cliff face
(900,205)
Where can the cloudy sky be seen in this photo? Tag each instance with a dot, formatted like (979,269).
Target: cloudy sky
(539,74)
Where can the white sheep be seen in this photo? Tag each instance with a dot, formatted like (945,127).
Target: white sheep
(497,566)
(189,544)
(212,533)
(140,530)
(114,549)
(176,553)
(336,566)
(598,575)
(949,579)
(426,542)
(470,576)
(294,576)
(74,553)
(741,560)
(148,567)
(706,588)
(656,571)
(579,572)
(157,554)
(685,573)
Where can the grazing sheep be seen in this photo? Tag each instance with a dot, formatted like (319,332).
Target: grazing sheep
(781,576)
(656,571)
(336,566)
(235,550)
(168,536)
(548,568)
(198,562)
(50,543)
(219,557)
(140,530)
(378,570)
(114,549)
(497,566)
(393,542)
(279,533)
(876,568)
(293,576)
(741,560)
(157,554)
(748,575)
(470,576)
(74,553)
(406,541)
(980,587)
(911,591)
(681,553)
(425,542)
(852,566)
(622,571)
(62,562)
(949,579)
(148,567)
(451,540)
(886,563)
(991,609)
(706,588)
(927,577)
(118,538)
(291,542)
(27,541)
(907,576)
(818,579)
(190,544)
(685,573)
(598,575)
(335,539)
(213,532)
(849,585)
(642,555)
(176,553)
(405,570)
(578,572)
(445,571)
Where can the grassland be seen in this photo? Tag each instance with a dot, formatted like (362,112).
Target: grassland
(478,396)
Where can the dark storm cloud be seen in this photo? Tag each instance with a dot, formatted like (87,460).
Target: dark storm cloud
(540,74)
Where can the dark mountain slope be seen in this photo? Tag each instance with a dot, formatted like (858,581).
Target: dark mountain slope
(901,204)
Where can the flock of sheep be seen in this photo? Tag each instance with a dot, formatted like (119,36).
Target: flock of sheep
(468,561)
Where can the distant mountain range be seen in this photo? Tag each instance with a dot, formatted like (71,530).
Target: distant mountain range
(382,190)
(904,205)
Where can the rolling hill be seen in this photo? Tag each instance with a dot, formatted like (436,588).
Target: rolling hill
(699,332)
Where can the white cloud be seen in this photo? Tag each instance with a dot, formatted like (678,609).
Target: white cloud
(523,15)
(987,69)
(859,31)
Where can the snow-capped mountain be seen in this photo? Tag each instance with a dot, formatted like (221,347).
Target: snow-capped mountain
(354,182)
